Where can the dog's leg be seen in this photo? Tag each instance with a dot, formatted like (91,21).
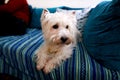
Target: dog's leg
(41,62)
(51,64)
(41,58)
(57,60)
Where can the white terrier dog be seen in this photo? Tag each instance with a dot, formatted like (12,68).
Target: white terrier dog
(60,36)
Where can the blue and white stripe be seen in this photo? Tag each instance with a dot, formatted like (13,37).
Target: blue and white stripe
(17,59)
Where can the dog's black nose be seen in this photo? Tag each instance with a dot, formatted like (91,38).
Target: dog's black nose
(64,39)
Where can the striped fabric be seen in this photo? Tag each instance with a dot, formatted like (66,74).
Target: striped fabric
(17,59)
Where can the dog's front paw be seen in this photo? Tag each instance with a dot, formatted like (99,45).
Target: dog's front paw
(41,63)
(40,59)
(39,66)
(48,68)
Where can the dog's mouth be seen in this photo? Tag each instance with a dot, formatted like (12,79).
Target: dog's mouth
(62,41)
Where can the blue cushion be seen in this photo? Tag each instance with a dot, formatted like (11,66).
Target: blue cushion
(101,35)
(36,14)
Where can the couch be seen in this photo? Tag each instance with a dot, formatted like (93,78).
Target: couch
(17,54)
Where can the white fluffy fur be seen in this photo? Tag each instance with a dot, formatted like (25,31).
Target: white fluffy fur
(54,50)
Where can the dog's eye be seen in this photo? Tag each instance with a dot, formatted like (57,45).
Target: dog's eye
(67,27)
(55,26)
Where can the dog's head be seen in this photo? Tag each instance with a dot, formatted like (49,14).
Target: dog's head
(58,27)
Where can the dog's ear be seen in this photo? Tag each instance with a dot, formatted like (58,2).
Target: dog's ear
(44,13)
(73,13)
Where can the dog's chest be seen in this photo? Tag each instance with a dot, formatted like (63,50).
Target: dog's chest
(54,50)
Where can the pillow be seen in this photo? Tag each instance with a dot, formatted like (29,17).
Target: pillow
(101,35)
(81,15)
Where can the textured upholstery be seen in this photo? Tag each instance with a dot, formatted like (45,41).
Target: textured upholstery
(17,58)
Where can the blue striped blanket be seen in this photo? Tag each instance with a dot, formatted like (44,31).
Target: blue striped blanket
(17,59)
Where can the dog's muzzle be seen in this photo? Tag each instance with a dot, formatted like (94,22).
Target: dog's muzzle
(61,40)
